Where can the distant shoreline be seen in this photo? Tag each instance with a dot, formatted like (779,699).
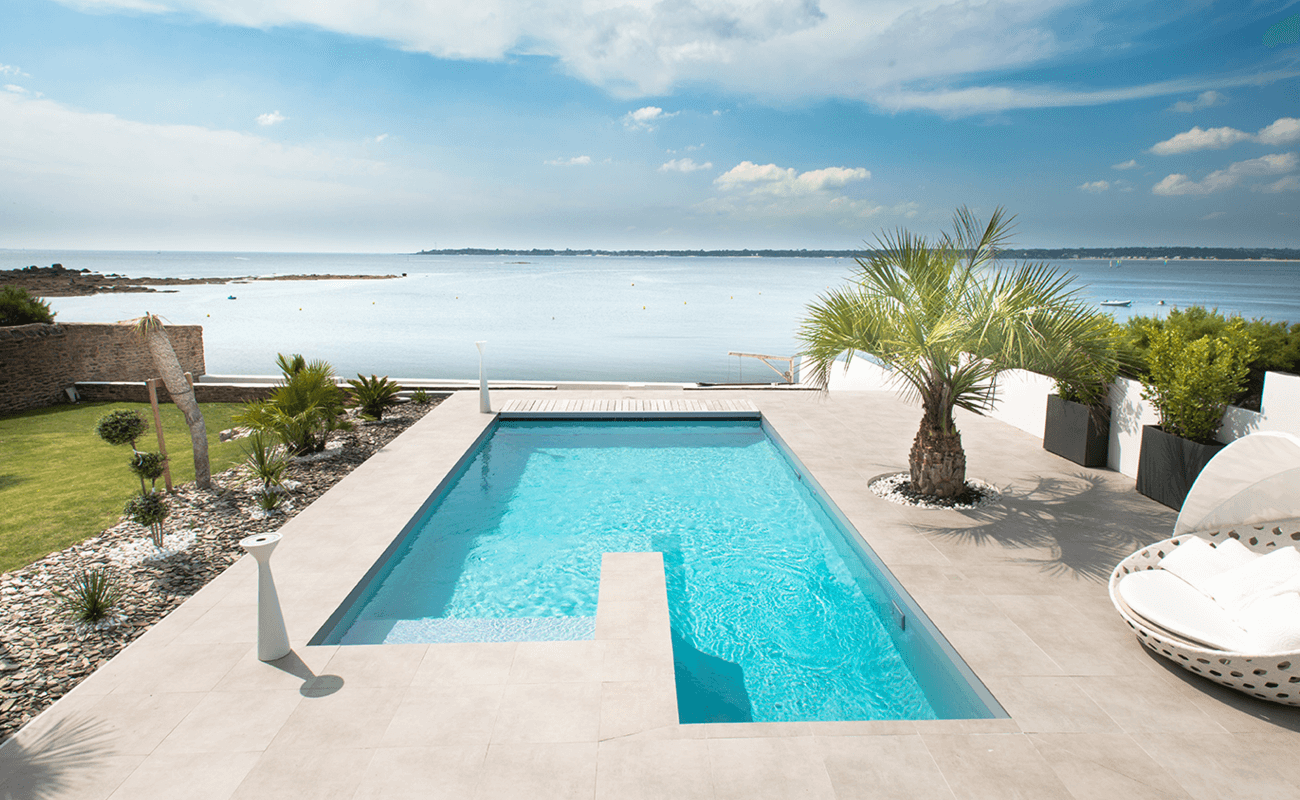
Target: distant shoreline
(59,281)
(1064,254)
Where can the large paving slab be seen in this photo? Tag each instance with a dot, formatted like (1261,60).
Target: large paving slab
(1017,587)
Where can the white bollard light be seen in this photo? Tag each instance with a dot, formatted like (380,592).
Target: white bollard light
(272,638)
(484,402)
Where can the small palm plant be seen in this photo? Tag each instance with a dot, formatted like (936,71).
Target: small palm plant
(266,461)
(148,509)
(303,409)
(419,396)
(373,395)
(947,322)
(91,595)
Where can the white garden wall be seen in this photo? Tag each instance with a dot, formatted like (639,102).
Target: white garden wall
(1022,402)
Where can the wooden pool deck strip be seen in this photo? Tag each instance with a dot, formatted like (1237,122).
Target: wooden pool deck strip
(1018,588)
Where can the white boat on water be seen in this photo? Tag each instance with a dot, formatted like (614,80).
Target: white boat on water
(1116,302)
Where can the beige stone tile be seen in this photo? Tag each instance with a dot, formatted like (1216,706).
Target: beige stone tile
(753,730)
(251,674)
(548,712)
(351,717)
(974,727)
(638,659)
(1010,652)
(1050,705)
(234,619)
(558,662)
(635,707)
(467,663)
(176,667)
(1215,766)
(631,619)
(326,774)
(448,772)
(550,771)
(778,768)
(232,722)
(1143,704)
(196,776)
(886,766)
(113,724)
(888,727)
(964,612)
(445,715)
(1106,766)
(639,581)
(998,767)
(631,770)
(928,579)
(392,665)
(88,777)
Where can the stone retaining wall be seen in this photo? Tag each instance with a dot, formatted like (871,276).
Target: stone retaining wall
(137,392)
(38,362)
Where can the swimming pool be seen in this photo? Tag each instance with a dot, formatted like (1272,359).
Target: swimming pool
(778,610)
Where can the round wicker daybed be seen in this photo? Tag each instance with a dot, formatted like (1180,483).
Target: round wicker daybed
(1249,492)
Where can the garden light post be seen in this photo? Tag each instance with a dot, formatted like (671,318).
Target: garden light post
(484,403)
(272,638)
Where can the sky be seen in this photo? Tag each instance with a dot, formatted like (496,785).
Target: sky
(401,125)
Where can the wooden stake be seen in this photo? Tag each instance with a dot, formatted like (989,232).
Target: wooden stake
(157,423)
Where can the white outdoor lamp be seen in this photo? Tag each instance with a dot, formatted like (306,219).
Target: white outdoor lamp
(484,403)
(272,638)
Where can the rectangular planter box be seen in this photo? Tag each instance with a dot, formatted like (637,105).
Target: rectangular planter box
(1168,465)
(1075,432)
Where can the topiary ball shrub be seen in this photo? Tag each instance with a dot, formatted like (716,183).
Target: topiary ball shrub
(149,466)
(121,427)
(148,509)
(18,307)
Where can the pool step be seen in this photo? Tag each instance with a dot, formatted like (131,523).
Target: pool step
(552,407)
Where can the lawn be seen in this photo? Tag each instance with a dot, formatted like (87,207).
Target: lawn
(60,483)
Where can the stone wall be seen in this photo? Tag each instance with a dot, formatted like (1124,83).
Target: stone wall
(137,392)
(38,362)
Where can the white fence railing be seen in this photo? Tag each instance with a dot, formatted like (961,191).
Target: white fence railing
(1022,403)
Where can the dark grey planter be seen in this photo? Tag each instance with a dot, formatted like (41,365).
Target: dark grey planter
(1168,465)
(1077,432)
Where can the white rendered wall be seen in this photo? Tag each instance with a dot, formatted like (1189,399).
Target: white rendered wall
(1022,403)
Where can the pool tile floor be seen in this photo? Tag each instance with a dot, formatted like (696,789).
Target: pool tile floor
(188,711)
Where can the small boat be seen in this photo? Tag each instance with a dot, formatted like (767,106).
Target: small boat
(232,297)
(1116,302)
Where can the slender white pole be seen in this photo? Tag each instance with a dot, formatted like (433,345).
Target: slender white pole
(484,402)
(272,638)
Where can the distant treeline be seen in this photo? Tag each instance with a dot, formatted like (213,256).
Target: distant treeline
(1221,253)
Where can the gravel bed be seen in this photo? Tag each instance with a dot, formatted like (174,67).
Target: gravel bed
(898,489)
(44,654)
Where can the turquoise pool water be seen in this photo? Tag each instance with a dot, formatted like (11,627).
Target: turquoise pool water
(776,613)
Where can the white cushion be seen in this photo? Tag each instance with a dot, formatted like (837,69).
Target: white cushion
(1172,603)
(1237,587)
(1273,624)
(1197,561)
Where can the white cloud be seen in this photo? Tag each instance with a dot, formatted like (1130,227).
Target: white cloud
(1282,131)
(770,179)
(1291,183)
(1273,164)
(380,138)
(1130,164)
(684,165)
(273,118)
(1204,100)
(1095,187)
(646,119)
(1197,139)
(12,71)
(16,89)
(576,161)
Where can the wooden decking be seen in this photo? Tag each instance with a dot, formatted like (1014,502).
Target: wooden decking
(551,406)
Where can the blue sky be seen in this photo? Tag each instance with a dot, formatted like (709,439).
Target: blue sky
(346,125)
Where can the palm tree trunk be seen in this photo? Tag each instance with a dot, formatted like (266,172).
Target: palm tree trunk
(937,462)
(164,358)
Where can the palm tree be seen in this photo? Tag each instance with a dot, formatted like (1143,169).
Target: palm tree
(946,320)
(164,358)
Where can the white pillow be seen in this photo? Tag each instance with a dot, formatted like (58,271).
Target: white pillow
(1273,624)
(1197,561)
(1237,587)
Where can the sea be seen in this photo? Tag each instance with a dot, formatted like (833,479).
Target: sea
(564,318)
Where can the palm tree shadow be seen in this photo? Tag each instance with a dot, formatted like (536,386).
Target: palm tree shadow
(54,762)
(1086,526)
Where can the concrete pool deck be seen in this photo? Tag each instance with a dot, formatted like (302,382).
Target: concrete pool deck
(1018,588)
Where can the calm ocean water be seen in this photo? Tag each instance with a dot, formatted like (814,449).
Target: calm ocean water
(562,318)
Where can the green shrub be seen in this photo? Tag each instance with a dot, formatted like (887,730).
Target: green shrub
(374,394)
(269,499)
(92,595)
(265,460)
(18,307)
(419,396)
(303,409)
(148,466)
(148,509)
(1085,372)
(1191,383)
(121,427)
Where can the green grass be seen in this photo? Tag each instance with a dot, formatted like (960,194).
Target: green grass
(60,483)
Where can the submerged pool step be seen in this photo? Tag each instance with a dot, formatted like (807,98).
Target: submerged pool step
(554,408)
(528,629)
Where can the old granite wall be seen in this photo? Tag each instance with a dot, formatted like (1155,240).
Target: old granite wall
(37,362)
